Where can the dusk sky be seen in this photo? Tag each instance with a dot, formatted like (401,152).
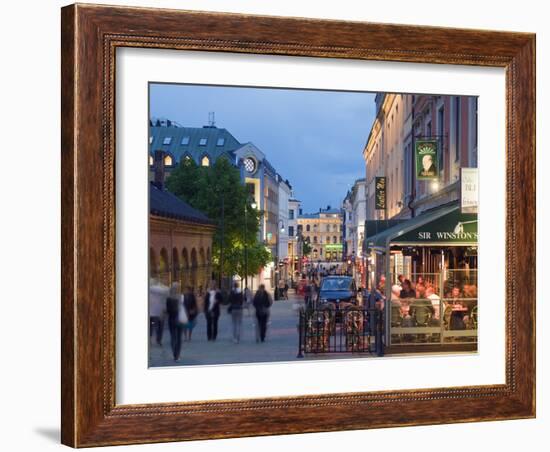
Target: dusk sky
(314,139)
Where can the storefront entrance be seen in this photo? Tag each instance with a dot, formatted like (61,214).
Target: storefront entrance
(427,269)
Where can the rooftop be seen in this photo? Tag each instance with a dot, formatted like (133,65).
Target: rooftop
(165,204)
(192,141)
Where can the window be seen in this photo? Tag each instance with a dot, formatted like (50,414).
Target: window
(334,239)
(167,140)
(291,214)
(202,142)
(307,228)
(185,141)
(168,160)
(151,160)
(429,129)
(150,140)
(205,161)
(314,239)
(220,142)
(291,231)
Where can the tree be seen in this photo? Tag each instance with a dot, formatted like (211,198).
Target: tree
(218,192)
(306,248)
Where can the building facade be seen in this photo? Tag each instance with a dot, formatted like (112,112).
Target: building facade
(285,193)
(180,238)
(323,231)
(403,119)
(205,145)
(385,154)
(294,239)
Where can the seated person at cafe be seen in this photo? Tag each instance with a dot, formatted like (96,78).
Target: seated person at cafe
(434,299)
(407,291)
(458,310)
(421,311)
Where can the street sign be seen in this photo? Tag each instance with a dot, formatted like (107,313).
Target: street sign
(426,157)
(380,193)
(468,190)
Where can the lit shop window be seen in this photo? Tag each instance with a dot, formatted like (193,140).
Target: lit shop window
(168,160)
(151,160)
(205,161)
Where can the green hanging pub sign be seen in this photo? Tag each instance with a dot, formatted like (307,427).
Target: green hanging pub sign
(426,157)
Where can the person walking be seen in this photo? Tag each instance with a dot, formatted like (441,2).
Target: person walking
(235,308)
(157,308)
(281,291)
(262,302)
(212,301)
(192,311)
(177,320)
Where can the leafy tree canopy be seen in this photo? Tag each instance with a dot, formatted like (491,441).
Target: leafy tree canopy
(218,192)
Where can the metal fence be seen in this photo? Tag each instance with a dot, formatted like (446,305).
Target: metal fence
(332,329)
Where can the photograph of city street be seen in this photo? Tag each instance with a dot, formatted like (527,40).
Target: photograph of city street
(289,225)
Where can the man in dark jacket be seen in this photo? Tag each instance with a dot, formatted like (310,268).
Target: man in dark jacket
(262,302)
(192,310)
(212,301)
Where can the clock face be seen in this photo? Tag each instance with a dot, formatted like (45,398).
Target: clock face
(249,164)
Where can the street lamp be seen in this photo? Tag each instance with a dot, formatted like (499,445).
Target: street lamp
(281,227)
(253,205)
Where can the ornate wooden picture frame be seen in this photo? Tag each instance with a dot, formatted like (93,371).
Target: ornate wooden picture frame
(90,37)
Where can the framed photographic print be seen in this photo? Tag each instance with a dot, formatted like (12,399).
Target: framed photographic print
(279,225)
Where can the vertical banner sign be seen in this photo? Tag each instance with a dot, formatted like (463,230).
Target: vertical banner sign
(380,193)
(426,156)
(468,190)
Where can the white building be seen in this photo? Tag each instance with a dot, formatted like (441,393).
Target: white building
(294,253)
(358,202)
(285,192)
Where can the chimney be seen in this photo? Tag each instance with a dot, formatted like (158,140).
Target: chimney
(158,168)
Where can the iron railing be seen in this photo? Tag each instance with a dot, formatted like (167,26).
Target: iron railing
(332,329)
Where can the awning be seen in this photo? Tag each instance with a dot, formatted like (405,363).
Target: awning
(445,226)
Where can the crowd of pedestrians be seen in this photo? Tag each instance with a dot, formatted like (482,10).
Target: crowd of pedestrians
(180,310)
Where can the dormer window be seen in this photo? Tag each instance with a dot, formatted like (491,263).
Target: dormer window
(167,140)
(220,142)
(202,142)
(185,141)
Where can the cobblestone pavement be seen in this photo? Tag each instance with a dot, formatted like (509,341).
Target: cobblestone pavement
(281,343)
